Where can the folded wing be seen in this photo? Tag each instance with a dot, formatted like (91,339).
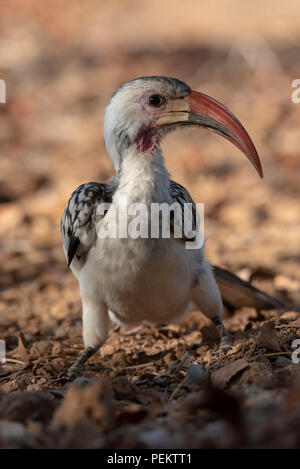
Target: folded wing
(78,223)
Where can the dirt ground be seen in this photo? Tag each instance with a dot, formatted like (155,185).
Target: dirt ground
(151,387)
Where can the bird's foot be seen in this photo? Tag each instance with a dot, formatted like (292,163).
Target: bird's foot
(72,373)
(225,347)
(225,342)
(75,370)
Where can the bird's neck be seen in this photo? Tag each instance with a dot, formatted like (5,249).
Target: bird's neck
(143,177)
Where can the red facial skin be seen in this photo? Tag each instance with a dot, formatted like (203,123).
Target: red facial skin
(147,139)
(200,110)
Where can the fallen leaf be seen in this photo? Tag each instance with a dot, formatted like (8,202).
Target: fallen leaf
(268,338)
(221,377)
(22,348)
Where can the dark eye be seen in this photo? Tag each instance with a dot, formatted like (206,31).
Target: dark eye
(156,100)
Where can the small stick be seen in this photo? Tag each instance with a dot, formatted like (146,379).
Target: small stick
(141,365)
(78,346)
(13,360)
(275,354)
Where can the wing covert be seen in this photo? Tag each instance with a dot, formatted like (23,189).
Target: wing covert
(78,223)
(182,196)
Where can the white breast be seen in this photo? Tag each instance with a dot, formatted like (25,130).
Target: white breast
(141,279)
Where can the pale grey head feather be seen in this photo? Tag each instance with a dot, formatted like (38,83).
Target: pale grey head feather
(124,116)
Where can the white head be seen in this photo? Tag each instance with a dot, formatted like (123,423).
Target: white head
(142,111)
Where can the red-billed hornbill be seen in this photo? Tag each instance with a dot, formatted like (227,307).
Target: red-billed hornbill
(155,279)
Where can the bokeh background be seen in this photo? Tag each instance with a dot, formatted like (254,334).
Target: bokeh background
(62,60)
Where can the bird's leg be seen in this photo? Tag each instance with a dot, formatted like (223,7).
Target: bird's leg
(75,369)
(95,330)
(225,341)
(206,295)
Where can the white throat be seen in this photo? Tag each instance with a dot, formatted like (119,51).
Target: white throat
(143,177)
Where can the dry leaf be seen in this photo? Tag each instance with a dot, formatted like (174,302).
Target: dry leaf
(23,353)
(268,337)
(221,377)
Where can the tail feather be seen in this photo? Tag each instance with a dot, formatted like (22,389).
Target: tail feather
(236,293)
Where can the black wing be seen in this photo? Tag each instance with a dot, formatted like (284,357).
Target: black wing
(78,223)
(182,196)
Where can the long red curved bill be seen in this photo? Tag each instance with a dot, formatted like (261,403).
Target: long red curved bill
(207,112)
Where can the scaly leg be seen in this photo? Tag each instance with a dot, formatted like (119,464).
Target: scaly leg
(95,329)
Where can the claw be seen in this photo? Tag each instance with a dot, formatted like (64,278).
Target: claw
(222,351)
(62,375)
(226,343)
(75,370)
(72,373)
(226,346)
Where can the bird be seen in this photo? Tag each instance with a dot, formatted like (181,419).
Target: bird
(132,279)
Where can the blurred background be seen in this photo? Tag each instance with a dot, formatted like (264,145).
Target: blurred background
(62,60)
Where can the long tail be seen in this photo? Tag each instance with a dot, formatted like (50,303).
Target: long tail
(236,293)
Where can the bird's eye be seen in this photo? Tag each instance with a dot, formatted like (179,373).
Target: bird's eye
(156,100)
